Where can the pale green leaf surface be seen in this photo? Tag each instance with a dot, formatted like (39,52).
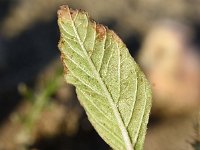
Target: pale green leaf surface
(109,84)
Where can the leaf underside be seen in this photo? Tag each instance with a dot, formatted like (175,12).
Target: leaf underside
(110,86)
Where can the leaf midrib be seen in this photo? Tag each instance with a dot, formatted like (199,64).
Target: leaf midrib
(122,127)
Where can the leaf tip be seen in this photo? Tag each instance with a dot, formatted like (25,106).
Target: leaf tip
(63,11)
(66,13)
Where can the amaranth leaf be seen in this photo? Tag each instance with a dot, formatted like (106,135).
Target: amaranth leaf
(110,86)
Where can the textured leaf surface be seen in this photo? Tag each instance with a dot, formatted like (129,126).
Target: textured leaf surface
(109,84)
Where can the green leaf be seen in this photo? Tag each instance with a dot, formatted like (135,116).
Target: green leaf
(110,86)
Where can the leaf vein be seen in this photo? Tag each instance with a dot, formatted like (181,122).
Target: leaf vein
(122,127)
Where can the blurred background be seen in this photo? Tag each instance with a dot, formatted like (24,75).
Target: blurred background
(39,111)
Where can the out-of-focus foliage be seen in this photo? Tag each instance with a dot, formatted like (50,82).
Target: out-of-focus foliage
(47,110)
